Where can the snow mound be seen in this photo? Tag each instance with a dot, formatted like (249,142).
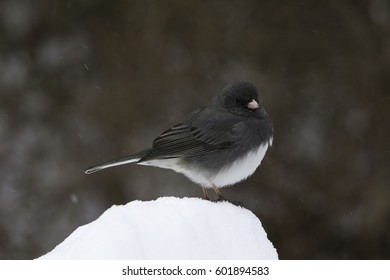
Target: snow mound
(169,228)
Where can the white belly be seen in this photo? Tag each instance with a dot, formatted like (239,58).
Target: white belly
(234,173)
(194,174)
(240,169)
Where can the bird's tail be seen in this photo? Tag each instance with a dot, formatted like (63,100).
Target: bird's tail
(116,162)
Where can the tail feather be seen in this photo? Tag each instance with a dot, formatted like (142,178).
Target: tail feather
(115,162)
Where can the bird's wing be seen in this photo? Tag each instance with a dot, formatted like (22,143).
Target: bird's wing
(185,140)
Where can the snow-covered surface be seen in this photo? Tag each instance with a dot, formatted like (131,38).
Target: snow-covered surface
(169,228)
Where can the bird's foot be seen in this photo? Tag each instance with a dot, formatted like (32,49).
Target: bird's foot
(222,198)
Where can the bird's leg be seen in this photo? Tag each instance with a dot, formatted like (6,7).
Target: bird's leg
(206,196)
(219,194)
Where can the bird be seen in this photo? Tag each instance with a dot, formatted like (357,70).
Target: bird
(215,146)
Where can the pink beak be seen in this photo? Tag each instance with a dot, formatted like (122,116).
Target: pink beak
(253,104)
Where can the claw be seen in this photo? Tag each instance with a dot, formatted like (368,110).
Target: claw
(223,198)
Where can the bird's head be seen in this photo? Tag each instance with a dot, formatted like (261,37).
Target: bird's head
(239,98)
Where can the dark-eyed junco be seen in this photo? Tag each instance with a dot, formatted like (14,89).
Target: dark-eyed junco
(216,146)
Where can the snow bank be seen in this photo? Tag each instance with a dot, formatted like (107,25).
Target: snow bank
(169,228)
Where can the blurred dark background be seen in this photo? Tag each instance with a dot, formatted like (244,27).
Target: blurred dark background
(83,82)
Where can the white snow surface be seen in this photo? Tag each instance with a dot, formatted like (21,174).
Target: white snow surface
(169,228)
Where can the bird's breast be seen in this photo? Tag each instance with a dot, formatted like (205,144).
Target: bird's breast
(241,168)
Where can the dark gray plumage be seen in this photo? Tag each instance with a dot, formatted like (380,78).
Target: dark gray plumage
(216,146)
